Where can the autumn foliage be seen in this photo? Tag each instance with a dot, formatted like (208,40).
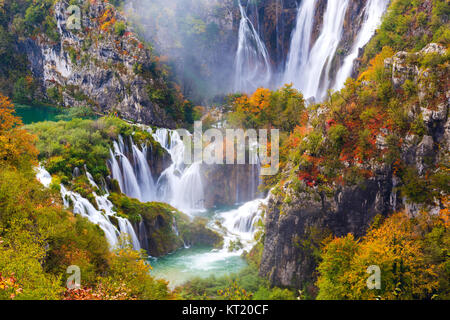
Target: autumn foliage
(16,144)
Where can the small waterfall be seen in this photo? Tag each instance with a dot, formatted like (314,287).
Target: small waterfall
(101,216)
(143,237)
(373,12)
(144,174)
(240,223)
(252,62)
(115,169)
(135,181)
(179,185)
(126,227)
(43,176)
(86,209)
(129,184)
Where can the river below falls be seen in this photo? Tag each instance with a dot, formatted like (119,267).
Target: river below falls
(201,261)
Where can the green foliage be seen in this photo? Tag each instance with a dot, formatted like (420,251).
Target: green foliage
(65,145)
(246,285)
(120,28)
(128,267)
(410,25)
(80,112)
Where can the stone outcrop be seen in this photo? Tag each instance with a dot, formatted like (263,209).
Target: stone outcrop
(299,218)
(97,66)
(161,228)
(230,184)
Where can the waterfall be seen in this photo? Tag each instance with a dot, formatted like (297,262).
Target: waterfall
(144,174)
(43,176)
(308,69)
(300,44)
(322,53)
(135,181)
(252,62)
(86,209)
(143,237)
(100,217)
(130,183)
(240,223)
(373,12)
(178,185)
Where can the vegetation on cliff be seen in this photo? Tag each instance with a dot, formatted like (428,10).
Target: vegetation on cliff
(39,239)
(412,255)
(25,24)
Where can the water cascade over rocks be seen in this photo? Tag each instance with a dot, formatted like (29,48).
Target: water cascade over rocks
(252,63)
(100,217)
(373,13)
(308,65)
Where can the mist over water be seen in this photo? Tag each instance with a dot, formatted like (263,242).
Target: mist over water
(219,47)
(194,37)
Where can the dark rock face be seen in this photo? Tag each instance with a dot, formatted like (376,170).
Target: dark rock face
(97,68)
(229,184)
(351,210)
(294,230)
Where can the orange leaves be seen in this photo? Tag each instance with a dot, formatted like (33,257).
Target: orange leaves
(255,104)
(10,286)
(16,144)
(260,100)
(107,20)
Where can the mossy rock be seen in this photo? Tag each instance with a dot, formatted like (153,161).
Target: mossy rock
(167,229)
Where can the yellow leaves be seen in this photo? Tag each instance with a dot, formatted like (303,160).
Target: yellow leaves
(376,64)
(406,273)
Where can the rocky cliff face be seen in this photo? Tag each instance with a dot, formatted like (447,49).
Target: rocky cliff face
(230,184)
(294,228)
(102,66)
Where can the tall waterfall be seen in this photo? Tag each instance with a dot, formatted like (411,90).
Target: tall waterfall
(300,45)
(308,68)
(252,62)
(373,12)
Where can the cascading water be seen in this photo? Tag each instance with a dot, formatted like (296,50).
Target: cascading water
(144,175)
(300,45)
(86,209)
(135,181)
(308,68)
(373,12)
(252,62)
(179,185)
(321,55)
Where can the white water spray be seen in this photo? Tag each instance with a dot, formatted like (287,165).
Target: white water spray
(373,12)
(252,62)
